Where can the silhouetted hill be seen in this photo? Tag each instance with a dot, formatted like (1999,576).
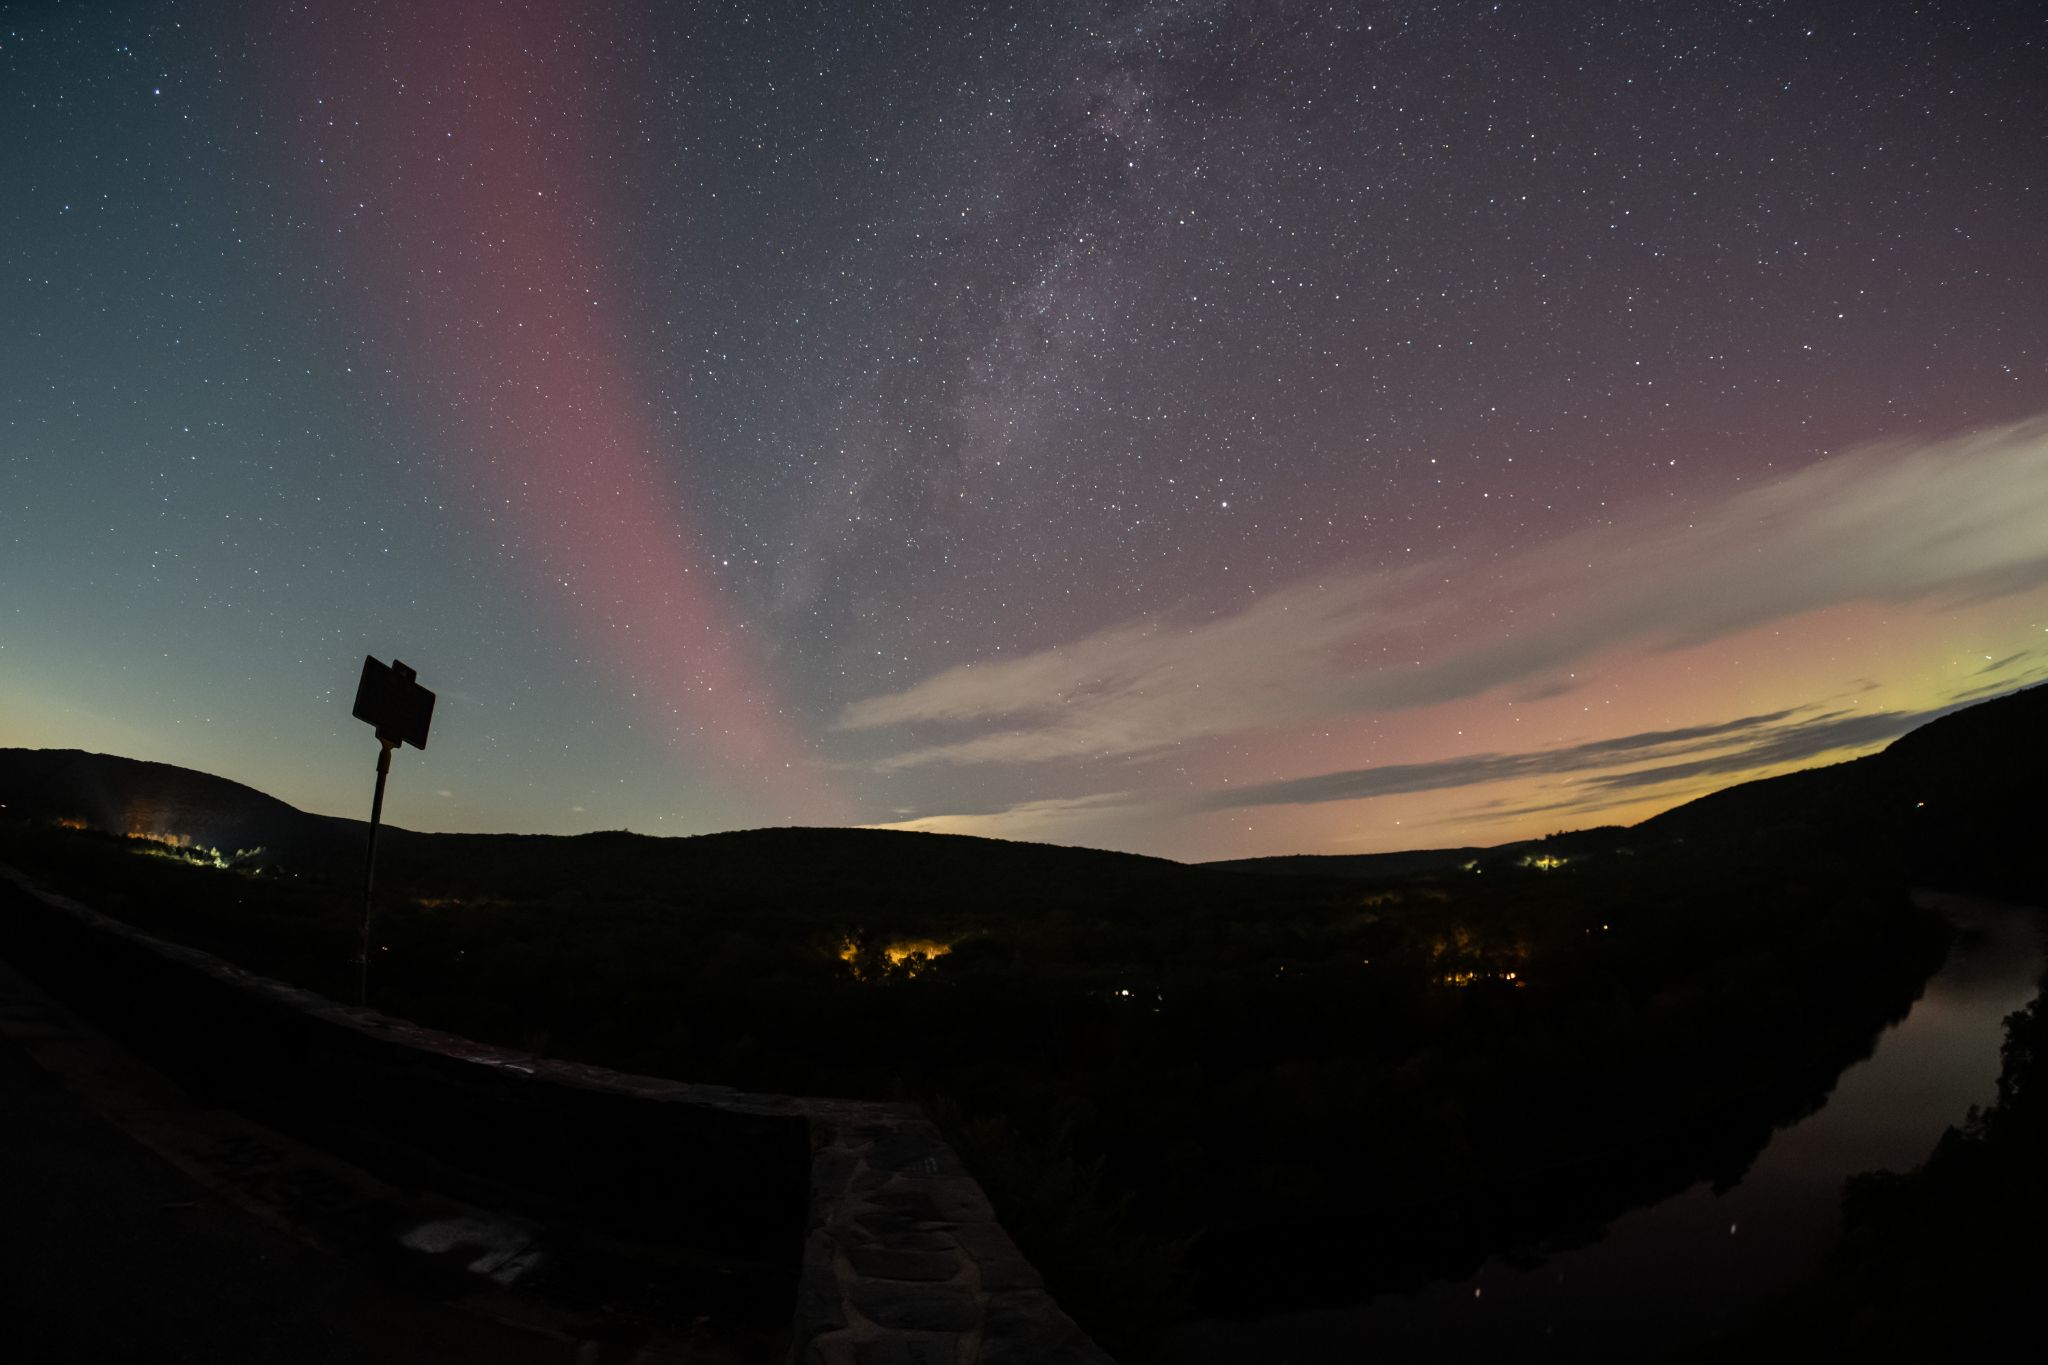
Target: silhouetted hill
(1383,867)
(1961,800)
(959,877)
(1372,867)
(131,796)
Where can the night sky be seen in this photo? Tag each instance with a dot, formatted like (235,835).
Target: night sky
(1204,429)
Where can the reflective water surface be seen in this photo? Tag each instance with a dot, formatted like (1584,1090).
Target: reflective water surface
(1698,1262)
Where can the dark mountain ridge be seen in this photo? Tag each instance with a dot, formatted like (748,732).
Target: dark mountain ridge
(1960,797)
(125,796)
(1960,800)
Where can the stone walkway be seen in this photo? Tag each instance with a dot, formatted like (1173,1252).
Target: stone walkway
(906,1264)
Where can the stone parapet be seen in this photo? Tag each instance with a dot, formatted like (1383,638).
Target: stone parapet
(905,1264)
(888,1252)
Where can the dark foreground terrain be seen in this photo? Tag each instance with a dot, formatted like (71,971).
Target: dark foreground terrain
(97,1220)
(1206,1086)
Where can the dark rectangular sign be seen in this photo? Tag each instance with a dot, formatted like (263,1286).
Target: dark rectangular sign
(389,699)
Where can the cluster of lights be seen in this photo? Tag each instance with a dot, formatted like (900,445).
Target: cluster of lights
(1541,862)
(1125,993)
(1514,979)
(178,848)
(909,955)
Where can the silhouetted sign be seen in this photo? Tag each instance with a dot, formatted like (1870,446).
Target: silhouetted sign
(389,699)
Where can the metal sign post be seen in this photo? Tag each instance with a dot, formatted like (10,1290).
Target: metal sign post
(390,699)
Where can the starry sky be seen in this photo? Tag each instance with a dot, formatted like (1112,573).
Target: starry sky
(1206,429)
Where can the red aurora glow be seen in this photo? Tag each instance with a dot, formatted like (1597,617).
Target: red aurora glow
(471,196)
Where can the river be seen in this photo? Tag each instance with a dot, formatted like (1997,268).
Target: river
(1697,1263)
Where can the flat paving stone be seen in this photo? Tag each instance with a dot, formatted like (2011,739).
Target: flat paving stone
(888,1263)
(910,1350)
(915,1308)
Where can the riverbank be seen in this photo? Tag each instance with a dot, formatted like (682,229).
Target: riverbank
(1944,1259)
(1695,1266)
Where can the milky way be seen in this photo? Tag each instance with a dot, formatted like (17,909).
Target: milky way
(1206,428)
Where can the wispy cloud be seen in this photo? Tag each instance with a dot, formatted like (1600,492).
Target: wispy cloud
(1964,517)
(1026,820)
(1606,765)
(1471,770)
(1149,684)
(2010,682)
(1996,665)
(1829,734)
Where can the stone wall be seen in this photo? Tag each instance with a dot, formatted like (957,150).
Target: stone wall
(857,1214)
